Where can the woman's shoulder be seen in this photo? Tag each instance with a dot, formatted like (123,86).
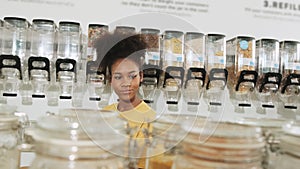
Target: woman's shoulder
(111,107)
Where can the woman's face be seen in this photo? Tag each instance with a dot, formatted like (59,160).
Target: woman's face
(126,79)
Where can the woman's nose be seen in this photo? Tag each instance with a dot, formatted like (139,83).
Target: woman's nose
(126,81)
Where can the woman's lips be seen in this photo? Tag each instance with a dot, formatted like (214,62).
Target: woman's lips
(125,91)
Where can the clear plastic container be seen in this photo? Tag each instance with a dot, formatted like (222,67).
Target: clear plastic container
(173,49)
(69,40)
(194,50)
(212,144)
(290,66)
(43,39)
(15,37)
(71,139)
(195,74)
(94,31)
(268,64)
(240,57)
(9,138)
(152,39)
(215,46)
(215,60)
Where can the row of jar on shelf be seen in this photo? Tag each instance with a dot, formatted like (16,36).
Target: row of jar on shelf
(72,139)
(246,89)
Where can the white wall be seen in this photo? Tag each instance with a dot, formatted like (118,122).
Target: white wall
(260,18)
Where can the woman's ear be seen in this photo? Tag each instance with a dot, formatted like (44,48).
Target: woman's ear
(141,76)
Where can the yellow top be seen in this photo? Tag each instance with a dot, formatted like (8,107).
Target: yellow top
(138,119)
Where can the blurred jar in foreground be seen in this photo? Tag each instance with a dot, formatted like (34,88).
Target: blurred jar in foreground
(79,138)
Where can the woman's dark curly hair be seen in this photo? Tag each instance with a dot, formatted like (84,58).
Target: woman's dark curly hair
(117,45)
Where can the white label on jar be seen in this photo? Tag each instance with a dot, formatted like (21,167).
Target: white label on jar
(292,66)
(270,64)
(173,57)
(89,51)
(152,56)
(246,62)
(192,57)
(216,59)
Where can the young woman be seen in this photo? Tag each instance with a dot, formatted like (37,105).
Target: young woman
(123,55)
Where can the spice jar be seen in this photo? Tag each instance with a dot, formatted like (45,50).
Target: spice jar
(289,147)
(167,135)
(72,139)
(213,144)
(9,138)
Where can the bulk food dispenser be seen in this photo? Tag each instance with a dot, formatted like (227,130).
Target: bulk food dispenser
(217,74)
(152,66)
(195,74)
(242,71)
(14,54)
(98,88)
(269,77)
(289,94)
(68,56)
(173,63)
(42,55)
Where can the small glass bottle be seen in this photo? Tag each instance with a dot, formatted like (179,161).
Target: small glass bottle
(9,138)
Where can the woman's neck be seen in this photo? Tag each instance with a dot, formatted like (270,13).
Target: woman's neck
(128,105)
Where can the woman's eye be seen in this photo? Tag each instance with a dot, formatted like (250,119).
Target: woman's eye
(117,77)
(132,76)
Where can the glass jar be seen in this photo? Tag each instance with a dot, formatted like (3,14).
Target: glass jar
(9,138)
(173,49)
(69,40)
(94,32)
(72,139)
(167,135)
(152,39)
(213,144)
(289,147)
(272,131)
